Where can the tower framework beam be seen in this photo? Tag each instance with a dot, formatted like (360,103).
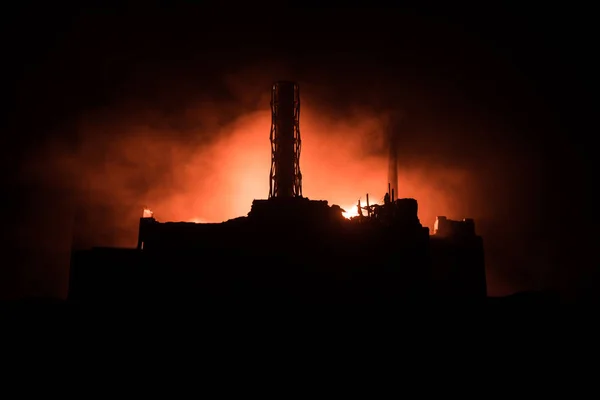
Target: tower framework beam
(285,178)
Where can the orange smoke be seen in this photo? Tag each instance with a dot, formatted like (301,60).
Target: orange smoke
(219,182)
(211,172)
(331,162)
(207,162)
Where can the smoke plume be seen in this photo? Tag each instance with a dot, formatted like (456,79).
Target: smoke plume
(205,160)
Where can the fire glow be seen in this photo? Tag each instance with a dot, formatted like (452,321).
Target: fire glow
(220,181)
(212,174)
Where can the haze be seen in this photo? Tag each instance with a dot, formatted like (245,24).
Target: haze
(156,112)
(211,160)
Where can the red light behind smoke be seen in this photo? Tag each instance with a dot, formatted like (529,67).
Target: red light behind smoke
(128,161)
(334,161)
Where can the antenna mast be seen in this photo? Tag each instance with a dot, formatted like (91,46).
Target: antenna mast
(393,161)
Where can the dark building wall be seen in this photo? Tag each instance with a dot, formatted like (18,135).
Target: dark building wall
(289,249)
(247,262)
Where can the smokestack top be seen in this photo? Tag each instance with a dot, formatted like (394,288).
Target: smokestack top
(285,82)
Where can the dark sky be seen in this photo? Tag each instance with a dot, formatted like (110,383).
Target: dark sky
(502,94)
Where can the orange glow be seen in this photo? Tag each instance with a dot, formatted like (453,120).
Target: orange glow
(213,173)
(147,213)
(220,182)
(350,211)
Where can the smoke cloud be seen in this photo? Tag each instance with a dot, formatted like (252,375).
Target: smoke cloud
(205,160)
(212,174)
(155,111)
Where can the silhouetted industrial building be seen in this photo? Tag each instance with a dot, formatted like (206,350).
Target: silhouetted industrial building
(289,248)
